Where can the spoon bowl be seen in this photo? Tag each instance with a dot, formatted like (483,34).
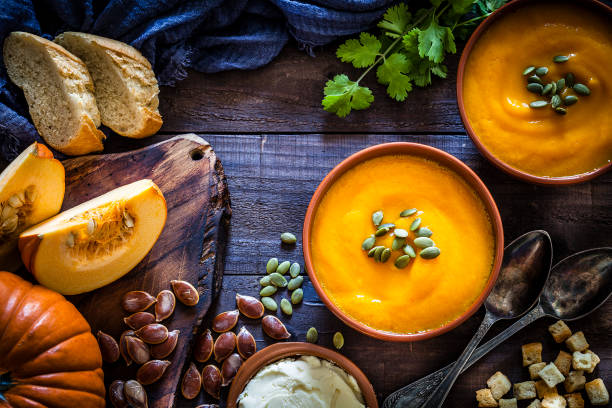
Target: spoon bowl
(578,284)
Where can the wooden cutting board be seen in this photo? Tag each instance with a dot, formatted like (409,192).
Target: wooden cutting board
(190,247)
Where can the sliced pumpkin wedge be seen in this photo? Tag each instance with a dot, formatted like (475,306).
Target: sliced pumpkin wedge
(97,242)
(31,190)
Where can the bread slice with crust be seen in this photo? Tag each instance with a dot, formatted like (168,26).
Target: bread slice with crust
(125,86)
(59,92)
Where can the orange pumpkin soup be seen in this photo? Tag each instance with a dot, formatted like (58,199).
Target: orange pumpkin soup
(540,141)
(427,293)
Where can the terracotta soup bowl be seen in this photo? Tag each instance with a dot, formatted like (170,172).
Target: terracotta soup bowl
(395,297)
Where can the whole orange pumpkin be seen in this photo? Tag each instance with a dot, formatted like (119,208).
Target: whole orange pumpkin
(48,356)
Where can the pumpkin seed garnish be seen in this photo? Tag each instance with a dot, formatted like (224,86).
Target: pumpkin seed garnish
(423,242)
(381,231)
(560,84)
(415,224)
(295,270)
(538,104)
(401,233)
(408,250)
(377,217)
(286,307)
(268,291)
(372,251)
(338,340)
(424,232)
(554,88)
(385,255)
(272,265)
(398,243)
(570,100)
(278,280)
(560,58)
(555,101)
(389,225)
(569,80)
(534,79)
(378,252)
(295,283)
(545,91)
(430,252)
(368,243)
(297,296)
(402,261)
(312,335)
(581,89)
(269,303)
(529,70)
(288,238)
(561,111)
(408,212)
(541,71)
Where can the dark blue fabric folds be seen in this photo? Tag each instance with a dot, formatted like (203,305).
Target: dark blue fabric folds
(206,35)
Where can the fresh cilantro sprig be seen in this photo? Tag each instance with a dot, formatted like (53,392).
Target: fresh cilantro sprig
(409,50)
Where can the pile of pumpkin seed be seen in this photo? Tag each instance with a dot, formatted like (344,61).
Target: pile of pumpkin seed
(276,279)
(422,242)
(556,93)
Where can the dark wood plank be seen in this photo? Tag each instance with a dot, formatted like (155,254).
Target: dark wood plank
(190,247)
(285,97)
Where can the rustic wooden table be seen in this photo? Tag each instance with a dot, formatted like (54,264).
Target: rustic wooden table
(276,144)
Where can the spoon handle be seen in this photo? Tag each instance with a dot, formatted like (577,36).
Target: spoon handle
(436,399)
(415,394)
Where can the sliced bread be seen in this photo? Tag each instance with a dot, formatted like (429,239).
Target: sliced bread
(59,92)
(125,86)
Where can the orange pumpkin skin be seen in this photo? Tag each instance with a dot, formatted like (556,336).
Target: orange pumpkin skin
(47,347)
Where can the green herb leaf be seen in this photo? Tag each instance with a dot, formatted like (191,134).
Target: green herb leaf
(392,73)
(362,52)
(342,95)
(396,20)
(434,40)
(461,6)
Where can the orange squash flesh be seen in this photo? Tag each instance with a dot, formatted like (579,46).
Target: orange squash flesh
(43,177)
(97,242)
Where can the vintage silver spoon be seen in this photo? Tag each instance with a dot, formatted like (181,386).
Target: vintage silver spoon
(577,286)
(524,270)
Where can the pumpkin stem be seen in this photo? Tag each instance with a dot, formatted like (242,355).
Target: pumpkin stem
(5,384)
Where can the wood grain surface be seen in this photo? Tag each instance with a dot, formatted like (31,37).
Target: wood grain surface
(190,247)
(277,143)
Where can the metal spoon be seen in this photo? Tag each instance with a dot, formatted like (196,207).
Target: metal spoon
(524,270)
(577,286)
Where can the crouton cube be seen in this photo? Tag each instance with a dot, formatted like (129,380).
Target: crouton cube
(532,353)
(508,403)
(581,361)
(525,390)
(574,381)
(485,398)
(597,392)
(551,375)
(544,390)
(534,369)
(499,385)
(535,404)
(577,342)
(594,360)
(554,401)
(559,331)
(563,362)
(574,400)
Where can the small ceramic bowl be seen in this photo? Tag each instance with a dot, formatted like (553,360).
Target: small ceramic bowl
(426,152)
(279,351)
(480,30)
